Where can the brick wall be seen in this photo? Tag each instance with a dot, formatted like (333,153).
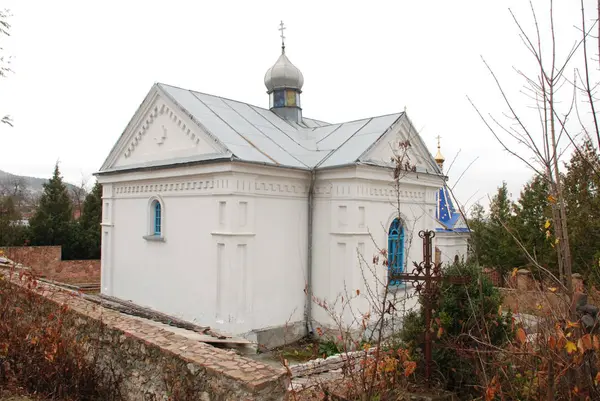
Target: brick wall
(149,360)
(76,271)
(493,275)
(46,262)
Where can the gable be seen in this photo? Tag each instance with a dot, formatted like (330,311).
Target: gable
(160,131)
(382,151)
(175,125)
(460,222)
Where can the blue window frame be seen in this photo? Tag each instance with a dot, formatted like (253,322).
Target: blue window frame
(395,250)
(157,218)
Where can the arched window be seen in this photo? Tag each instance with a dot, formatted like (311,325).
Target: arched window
(157,217)
(396,249)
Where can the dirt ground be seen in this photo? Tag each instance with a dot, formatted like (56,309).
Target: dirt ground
(16,395)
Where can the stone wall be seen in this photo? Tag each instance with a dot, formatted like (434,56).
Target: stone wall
(149,362)
(46,262)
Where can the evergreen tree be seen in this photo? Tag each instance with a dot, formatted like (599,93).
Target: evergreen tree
(90,221)
(501,206)
(11,232)
(504,253)
(532,211)
(92,209)
(52,222)
(492,245)
(479,240)
(581,186)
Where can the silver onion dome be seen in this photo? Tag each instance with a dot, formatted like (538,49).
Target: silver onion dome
(283,75)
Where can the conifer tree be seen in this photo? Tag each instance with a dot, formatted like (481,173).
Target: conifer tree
(493,243)
(51,223)
(505,253)
(532,214)
(11,232)
(90,221)
(479,243)
(581,186)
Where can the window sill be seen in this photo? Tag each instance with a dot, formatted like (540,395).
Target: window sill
(232,234)
(155,238)
(398,288)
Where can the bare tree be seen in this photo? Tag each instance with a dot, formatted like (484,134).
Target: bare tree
(541,145)
(14,187)
(78,194)
(4,61)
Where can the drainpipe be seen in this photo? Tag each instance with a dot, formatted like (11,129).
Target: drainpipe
(308,304)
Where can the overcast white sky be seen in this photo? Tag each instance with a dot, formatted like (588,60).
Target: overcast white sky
(82,68)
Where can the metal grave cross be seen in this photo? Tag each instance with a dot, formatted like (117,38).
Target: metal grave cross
(425,278)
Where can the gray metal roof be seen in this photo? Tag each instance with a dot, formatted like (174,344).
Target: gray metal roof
(256,134)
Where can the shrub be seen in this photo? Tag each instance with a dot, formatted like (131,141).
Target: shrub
(466,316)
(40,353)
(328,348)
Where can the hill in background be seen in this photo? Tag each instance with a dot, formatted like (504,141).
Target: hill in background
(33,185)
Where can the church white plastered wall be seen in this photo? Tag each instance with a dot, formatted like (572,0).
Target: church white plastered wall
(236,185)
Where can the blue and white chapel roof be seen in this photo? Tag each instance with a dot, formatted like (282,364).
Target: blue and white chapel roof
(449,218)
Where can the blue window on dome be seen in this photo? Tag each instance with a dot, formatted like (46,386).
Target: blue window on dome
(395,251)
(279,98)
(157,218)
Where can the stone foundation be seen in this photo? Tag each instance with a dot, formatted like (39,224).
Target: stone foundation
(273,337)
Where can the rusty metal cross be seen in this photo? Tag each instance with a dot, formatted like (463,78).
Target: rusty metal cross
(425,278)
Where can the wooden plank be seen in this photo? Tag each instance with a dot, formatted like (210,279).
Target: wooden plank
(131,308)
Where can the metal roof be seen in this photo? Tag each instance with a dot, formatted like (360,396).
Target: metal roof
(256,134)
(283,74)
(446,214)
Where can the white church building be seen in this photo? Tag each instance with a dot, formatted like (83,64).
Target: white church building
(236,216)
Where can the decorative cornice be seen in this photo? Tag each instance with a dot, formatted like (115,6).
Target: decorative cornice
(212,185)
(165,186)
(234,184)
(370,190)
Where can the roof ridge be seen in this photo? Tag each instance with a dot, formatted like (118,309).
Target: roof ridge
(364,118)
(265,109)
(233,100)
(208,94)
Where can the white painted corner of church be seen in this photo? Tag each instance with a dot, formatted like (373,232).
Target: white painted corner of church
(237,217)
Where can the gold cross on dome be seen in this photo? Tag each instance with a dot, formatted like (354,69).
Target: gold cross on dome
(282,28)
(438,138)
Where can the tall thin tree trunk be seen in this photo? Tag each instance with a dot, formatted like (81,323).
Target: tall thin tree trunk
(557,228)
(561,224)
